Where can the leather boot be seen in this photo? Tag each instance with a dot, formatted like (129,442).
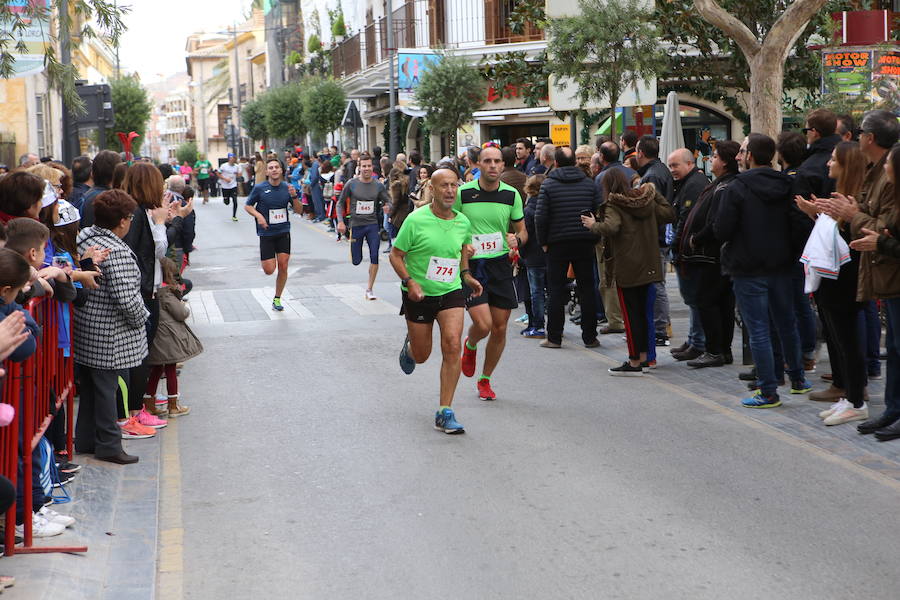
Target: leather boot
(832,394)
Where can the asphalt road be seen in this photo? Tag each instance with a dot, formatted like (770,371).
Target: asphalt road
(309,467)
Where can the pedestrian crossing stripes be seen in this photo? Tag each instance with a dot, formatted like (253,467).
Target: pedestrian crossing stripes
(300,302)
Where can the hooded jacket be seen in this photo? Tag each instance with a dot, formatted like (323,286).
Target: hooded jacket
(760,226)
(564,195)
(812,175)
(631,223)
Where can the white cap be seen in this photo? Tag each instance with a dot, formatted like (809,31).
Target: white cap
(49,195)
(67,213)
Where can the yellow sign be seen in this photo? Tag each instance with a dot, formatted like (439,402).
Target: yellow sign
(560,134)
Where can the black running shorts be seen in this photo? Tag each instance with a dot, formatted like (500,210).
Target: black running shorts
(426,311)
(270,245)
(496,277)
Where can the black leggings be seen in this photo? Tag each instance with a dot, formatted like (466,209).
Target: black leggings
(634,314)
(848,363)
(715,301)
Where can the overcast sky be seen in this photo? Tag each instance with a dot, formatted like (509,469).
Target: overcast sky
(157,31)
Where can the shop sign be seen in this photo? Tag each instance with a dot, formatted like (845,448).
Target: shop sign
(560,135)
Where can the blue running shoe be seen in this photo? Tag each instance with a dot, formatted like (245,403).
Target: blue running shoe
(526,332)
(801,387)
(276,304)
(407,363)
(536,333)
(757,400)
(445,420)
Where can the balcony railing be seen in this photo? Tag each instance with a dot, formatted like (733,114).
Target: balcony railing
(430,23)
(346,58)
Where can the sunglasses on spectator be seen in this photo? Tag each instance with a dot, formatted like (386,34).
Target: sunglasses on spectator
(490,145)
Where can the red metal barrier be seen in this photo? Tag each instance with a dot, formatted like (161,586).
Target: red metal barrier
(37,387)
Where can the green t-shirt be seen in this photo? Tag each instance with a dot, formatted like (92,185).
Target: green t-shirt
(490,214)
(433,248)
(202,169)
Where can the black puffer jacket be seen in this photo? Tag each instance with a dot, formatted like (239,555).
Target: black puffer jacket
(812,175)
(760,226)
(564,195)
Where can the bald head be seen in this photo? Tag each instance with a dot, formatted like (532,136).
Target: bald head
(681,163)
(445,182)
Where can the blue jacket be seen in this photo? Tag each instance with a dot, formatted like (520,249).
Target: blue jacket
(29,346)
(314,178)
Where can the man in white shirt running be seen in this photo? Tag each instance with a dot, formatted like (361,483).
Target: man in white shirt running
(228,175)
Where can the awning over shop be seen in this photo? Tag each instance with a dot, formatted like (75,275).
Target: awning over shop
(606,126)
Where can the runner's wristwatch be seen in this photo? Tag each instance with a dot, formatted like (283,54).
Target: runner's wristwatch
(405,280)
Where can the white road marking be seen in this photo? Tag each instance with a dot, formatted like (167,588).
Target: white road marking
(213,314)
(354,296)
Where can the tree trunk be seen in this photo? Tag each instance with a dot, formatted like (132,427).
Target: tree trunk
(612,126)
(766,57)
(766,91)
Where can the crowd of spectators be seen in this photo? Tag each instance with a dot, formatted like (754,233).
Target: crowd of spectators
(105,242)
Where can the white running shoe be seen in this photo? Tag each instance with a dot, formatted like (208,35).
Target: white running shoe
(54,517)
(370,295)
(834,408)
(847,414)
(41,527)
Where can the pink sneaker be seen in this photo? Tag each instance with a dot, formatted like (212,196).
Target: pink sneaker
(148,420)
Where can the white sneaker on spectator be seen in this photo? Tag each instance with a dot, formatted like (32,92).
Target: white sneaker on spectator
(848,413)
(41,527)
(54,517)
(834,408)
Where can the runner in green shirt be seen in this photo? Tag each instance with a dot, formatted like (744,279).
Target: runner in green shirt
(202,169)
(430,255)
(494,209)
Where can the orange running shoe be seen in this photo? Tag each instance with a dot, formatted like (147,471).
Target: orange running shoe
(132,430)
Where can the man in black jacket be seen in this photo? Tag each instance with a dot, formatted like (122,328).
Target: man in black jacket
(102,169)
(689,184)
(652,170)
(759,225)
(812,176)
(565,195)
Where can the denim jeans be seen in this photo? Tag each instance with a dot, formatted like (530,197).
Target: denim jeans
(537,283)
(318,202)
(806,319)
(598,298)
(688,286)
(661,303)
(869,328)
(892,384)
(758,298)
